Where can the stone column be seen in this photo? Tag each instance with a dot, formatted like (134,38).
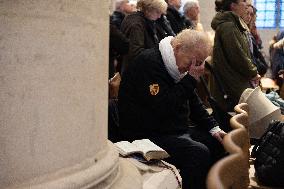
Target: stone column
(53,96)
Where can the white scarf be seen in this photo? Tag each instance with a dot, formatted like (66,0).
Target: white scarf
(169,59)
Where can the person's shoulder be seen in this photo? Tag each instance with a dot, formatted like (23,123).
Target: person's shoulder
(228,23)
(222,20)
(172,10)
(135,16)
(151,54)
(227,28)
(117,16)
(171,14)
(135,19)
(149,57)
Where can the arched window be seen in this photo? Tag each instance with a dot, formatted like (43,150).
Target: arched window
(269,13)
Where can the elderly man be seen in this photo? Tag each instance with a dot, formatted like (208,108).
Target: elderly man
(157,100)
(122,8)
(191,11)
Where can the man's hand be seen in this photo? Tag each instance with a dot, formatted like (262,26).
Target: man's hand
(196,70)
(220,135)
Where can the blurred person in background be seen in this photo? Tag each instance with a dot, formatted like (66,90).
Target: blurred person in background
(140,28)
(176,19)
(232,59)
(191,11)
(277,57)
(257,57)
(122,8)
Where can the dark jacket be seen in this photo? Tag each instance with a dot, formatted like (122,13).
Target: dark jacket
(258,59)
(141,33)
(232,59)
(277,57)
(174,106)
(176,20)
(118,46)
(164,28)
(117,18)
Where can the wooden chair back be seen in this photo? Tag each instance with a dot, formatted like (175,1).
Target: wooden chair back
(231,172)
(227,173)
(240,120)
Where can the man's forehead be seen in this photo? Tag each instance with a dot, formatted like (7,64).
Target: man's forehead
(200,50)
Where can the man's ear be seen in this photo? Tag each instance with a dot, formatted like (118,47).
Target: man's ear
(177,46)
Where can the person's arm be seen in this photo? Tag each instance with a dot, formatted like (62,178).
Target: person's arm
(136,39)
(235,53)
(169,95)
(164,27)
(118,42)
(198,112)
(173,22)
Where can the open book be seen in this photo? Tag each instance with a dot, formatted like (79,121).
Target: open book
(145,147)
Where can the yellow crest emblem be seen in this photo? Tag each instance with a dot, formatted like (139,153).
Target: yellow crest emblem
(154,89)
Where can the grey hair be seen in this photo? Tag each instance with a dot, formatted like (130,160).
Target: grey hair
(159,5)
(118,3)
(190,3)
(191,39)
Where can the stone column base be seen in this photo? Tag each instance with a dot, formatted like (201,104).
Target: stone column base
(107,172)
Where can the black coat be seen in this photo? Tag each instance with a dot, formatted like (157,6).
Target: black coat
(141,33)
(176,20)
(118,46)
(164,28)
(258,59)
(151,103)
(277,57)
(117,18)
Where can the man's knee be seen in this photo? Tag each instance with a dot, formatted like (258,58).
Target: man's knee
(194,157)
(201,156)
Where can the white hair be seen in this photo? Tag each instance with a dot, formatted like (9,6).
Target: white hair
(118,4)
(193,40)
(159,5)
(190,3)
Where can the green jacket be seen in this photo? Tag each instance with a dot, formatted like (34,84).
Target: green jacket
(231,57)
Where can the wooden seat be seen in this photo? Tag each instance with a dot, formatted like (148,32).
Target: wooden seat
(240,121)
(227,174)
(232,171)
(237,141)
(235,171)
(241,108)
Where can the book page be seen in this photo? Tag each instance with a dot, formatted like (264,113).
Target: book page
(145,145)
(125,148)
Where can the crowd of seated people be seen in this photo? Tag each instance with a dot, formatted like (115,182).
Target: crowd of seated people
(163,51)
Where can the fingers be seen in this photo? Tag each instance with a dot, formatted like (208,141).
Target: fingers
(196,69)
(220,135)
(219,138)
